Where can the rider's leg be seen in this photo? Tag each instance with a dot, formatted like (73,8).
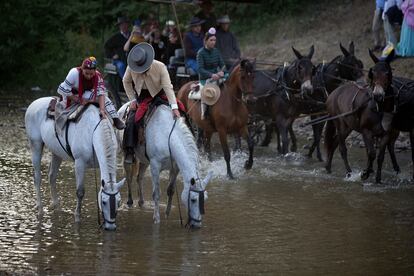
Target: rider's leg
(130,137)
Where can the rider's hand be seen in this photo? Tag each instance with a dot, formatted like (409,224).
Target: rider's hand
(221,74)
(176,113)
(115,56)
(215,76)
(74,98)
(102,113)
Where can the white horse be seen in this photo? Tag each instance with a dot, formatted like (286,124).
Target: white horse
(170,145)
(90,134)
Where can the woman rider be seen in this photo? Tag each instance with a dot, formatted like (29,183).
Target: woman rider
(211,66)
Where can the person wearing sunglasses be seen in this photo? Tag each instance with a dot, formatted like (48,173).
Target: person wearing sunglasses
(84,84)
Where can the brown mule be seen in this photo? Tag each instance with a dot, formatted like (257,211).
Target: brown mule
(229,115)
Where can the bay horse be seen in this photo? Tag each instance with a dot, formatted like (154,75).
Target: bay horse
(359,108)
(277,94)
(169,146)
(83,141)
(229,115)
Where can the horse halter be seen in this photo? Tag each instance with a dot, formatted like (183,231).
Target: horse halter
(112,206)
(200,205)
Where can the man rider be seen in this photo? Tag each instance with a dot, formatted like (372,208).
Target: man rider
(85,84)
(144,79)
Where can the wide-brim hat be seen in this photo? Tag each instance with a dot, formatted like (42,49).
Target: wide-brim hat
(210,93)
(141,57)
(195,21)
(225,19)
(122,19)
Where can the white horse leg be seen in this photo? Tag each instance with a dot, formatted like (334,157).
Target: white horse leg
(155,172)
(80,189)
(37,148)
(170,190)
(140,181)
(53,171)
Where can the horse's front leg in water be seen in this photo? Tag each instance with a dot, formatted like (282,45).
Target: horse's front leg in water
(155,173)
(170,190)
(246,135)
(223,140)
(53,171)
(80,189)
(294,146)
(129,171)
(140,182)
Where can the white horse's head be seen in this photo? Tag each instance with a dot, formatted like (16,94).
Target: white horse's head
(197,195)
(109,199)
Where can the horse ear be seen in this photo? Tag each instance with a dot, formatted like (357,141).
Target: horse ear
(352,48)
(207,179)
(297,54)
(311,51)
(373,57)
(344,51)
(103,183)
(121,183)
(390,56)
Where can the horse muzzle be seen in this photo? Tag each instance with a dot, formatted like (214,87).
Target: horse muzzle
(306,88)
(109,226)
(378,93)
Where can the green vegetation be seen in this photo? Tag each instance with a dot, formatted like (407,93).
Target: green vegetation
(42,39)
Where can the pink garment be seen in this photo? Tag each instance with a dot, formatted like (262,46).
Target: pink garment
(407,8)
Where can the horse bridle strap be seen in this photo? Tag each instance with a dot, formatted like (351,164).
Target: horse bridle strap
(112,206)
(200,205)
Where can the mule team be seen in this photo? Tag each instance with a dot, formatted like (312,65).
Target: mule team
(380,108)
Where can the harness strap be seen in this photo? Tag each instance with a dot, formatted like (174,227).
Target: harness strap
(68,152)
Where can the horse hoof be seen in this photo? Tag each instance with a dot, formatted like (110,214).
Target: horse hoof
(141,203)
(130,202)
(230,176)
(348,175)
(328,170)
(378,180)
(156,220)
(397,171)
(248,165)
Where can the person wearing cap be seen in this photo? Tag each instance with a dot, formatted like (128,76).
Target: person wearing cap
(169,28)
(206,14)
(227,43)
(114,46)
(145,78)
(210,64)
(193,41)
(84,84)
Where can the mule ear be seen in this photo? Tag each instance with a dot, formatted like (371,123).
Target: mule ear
(352,48)
(297,54)
(373,57)
(390,56)
(311,51)
(344,51)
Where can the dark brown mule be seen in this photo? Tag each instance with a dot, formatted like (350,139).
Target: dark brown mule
(278,95)
(229,115)
(359,108)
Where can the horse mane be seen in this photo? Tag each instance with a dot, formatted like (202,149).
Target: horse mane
(108,146)
(188,140)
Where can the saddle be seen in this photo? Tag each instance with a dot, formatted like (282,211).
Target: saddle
(73,115)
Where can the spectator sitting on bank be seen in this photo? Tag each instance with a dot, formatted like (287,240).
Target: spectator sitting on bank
(392,17)
(376,25)
(206,14)
(158,44)
(169,28)
(114,46)
(193,41)
(172,45)
(227,43)
(135,37)
(406,46)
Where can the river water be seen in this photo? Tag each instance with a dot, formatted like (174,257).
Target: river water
(285,216)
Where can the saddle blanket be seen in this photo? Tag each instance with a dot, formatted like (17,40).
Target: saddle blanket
(144,105)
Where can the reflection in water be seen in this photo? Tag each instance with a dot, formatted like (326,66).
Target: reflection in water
(286,215)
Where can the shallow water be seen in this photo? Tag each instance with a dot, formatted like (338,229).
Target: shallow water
(285,216)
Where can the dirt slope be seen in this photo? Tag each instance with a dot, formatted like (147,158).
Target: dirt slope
(325,26)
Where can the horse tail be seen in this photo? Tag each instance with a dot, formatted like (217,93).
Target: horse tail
(330,133)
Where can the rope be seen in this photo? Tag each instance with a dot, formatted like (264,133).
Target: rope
(96,180)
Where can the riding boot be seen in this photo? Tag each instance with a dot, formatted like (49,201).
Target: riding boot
(118,123)
(204,111)
(130,138)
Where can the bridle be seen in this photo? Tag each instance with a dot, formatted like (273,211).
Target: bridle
(200,206)
(112,206)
